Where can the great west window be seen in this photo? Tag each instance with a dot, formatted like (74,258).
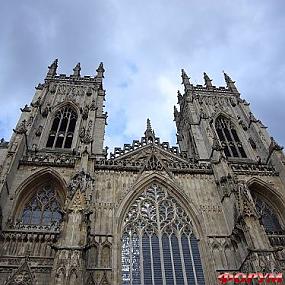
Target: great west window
(158,244)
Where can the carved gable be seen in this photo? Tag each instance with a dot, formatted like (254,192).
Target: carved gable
(22,276)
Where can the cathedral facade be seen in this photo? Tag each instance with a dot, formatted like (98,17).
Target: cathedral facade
(148,213)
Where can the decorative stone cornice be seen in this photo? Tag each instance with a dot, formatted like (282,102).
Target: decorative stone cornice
(48,159)
(254,169)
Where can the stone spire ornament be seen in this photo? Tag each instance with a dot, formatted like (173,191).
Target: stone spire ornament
(76,70)
(185,77)
(208,81)
(230,83)
(179,97)
(149,132)
(100,70)
(52,68)
(176,113)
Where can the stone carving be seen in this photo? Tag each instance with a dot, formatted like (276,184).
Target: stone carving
(252,143)
(22,276)
(48,159)
(254,169)
(53,88)
(89,91)
(85,112)
(80,180)
(46,111)
(93,106)
(245,203)
(85,135)
(39,131)
(226,186)
(203,114)
(90,280)
(25,109)
(242,123)
(3,143)
(233,101)
(37,103)
(21,128)
(153,163)
(274,145)
(104,280)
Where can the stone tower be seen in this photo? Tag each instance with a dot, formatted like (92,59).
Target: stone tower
(148,213)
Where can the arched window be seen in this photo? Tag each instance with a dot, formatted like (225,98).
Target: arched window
(229,138)
(43,208)
(62,129)
(158,242)
(269,219)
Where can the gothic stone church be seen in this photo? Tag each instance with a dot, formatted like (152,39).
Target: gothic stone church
(148,213)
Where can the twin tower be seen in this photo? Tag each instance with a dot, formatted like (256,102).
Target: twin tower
(148,213)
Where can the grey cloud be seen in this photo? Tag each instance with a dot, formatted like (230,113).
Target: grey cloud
(142,44)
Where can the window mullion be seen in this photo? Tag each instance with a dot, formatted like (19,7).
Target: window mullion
(66,130)
(151,260)
(141,258)
(227,142)
(235,143)
(161,258)
(182,259)
(57,131)
(192,259)
(131,258)
(172,261)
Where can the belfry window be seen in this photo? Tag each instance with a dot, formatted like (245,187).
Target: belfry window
(43,208)
(158,244)
(229,139)
(62,129)
(268,217)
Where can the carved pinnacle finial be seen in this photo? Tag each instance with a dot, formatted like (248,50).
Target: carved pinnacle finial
(227,78)
(230,83)
(148,125)
(184,74)
(208,81)
(52,68)
(185,78)
(149,133)
(179,97)
(76,70)
(100,70)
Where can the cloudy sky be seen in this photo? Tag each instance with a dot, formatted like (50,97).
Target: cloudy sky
(144,45)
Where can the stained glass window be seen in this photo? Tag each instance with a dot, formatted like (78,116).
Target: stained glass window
(229,139)
(269,218)
(158,244)
(43,208)
(62,129)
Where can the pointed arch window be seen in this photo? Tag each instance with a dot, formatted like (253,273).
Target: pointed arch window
(158,244)
(229,138)
(62,129)
(268,217)
(43,208)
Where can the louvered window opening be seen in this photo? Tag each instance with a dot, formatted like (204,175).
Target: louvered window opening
(43,208)
(229,139)
(158,244)
(62,130)
(269,218)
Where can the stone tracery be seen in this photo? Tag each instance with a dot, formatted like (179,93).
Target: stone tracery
(158,244)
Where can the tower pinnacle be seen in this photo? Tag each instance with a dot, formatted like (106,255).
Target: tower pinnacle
(76,70)
(230,83)
(52,68)
(208,81)
(100,70)
(149,132)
